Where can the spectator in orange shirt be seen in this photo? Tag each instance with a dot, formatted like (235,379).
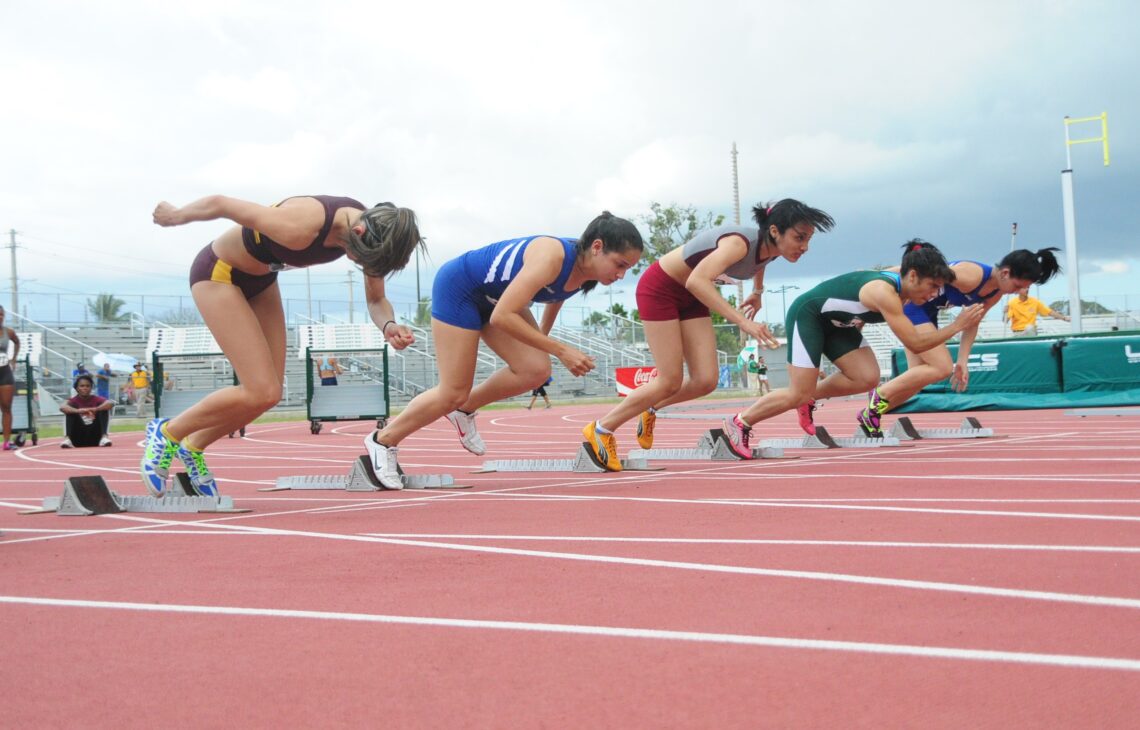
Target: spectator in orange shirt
(1021,313)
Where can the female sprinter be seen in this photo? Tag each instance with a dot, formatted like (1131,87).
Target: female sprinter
(974,283)
(826,320)
(487,294)
(234,284)
(674,296)
(7,379)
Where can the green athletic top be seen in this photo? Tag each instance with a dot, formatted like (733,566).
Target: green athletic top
(837,299)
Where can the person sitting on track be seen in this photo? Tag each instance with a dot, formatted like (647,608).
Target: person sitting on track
(974,283)
(7,379)
(486,294)
(674,296)
(87,417)
(826,320)
(234,284)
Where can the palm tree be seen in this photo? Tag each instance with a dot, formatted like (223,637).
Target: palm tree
(105,308)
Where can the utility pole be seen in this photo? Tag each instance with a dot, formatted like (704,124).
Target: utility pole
(736,220)
(350,302)
(15,290)
(1069,210)
(1013,238)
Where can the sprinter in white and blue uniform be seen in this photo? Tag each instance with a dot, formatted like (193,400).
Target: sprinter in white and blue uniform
(826,320)
(974,283)
(486,295)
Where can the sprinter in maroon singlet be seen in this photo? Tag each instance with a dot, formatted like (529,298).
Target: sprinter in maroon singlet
(234,284)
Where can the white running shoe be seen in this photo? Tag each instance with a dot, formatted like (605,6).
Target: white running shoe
(465,425)
(384,463)
(65,444)
(105,441)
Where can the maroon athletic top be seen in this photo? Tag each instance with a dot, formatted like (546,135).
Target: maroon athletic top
(267,251)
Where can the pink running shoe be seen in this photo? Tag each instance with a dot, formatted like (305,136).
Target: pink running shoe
(807,420)
(738,433)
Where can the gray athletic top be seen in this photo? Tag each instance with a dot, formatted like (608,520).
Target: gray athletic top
(705,242)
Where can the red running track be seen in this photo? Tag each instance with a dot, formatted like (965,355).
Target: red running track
(975,583)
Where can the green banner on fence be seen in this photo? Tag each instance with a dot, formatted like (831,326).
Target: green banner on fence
(1041,373)
(1101,363)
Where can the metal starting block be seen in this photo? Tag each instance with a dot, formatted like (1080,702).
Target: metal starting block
(715,440)
(824,440)
(361,478)
(584,463)
(90,495)
(904,430)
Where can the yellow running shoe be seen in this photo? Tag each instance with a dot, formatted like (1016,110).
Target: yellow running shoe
(603,446)
(645,423)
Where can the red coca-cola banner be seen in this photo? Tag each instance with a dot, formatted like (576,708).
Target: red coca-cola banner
(630,378)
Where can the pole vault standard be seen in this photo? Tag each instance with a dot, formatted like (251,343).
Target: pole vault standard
(1070,212)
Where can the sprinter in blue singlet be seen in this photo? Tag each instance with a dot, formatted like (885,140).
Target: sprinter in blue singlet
(974,283)
(486,295)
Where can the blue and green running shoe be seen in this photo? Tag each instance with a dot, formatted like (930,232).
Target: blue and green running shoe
(196,469)
(158,453)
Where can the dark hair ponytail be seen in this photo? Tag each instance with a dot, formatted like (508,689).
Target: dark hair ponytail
(788,213)
(1037,267)
(617,235)
(926,260)
(389,238)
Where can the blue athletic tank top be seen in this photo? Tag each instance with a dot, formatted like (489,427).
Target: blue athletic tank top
(951,296)
(492,268)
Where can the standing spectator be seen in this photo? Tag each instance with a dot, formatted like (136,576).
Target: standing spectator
(140,386)
(753,372)
(762,375)
(540,390)
(1021,313)
(80,369)
(7,379)
(103,381)
(328,368)
(87,417)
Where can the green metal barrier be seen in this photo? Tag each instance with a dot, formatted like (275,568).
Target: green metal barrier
(1093,370)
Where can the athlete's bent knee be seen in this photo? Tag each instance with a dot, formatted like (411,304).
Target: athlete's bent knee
(702,385)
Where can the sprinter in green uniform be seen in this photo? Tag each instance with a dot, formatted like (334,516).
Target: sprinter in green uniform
(827,320)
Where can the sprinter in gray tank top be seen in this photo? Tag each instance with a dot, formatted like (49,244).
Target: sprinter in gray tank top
(674,298)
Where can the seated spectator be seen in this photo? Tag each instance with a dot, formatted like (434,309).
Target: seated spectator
(87,416)
(80,369)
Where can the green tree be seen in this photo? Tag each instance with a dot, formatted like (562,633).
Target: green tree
(669,227)
(106,308)
(728,336)
(597,322)
(423,312)
(181,316)
(1087,307)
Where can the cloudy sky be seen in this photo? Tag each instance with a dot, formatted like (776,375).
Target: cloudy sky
(496,119)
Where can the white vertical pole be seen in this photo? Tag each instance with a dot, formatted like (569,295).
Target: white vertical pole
(1072,272)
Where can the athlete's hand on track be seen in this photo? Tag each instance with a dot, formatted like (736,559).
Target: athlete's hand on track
(576,361)
(959,378)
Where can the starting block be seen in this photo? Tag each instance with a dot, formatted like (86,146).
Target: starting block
(583,463)
(90,495)
(361,478)
(905,430)
(824,440)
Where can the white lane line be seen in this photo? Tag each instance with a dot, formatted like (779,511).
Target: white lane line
(1074,598)
(620,632)
(749,541)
